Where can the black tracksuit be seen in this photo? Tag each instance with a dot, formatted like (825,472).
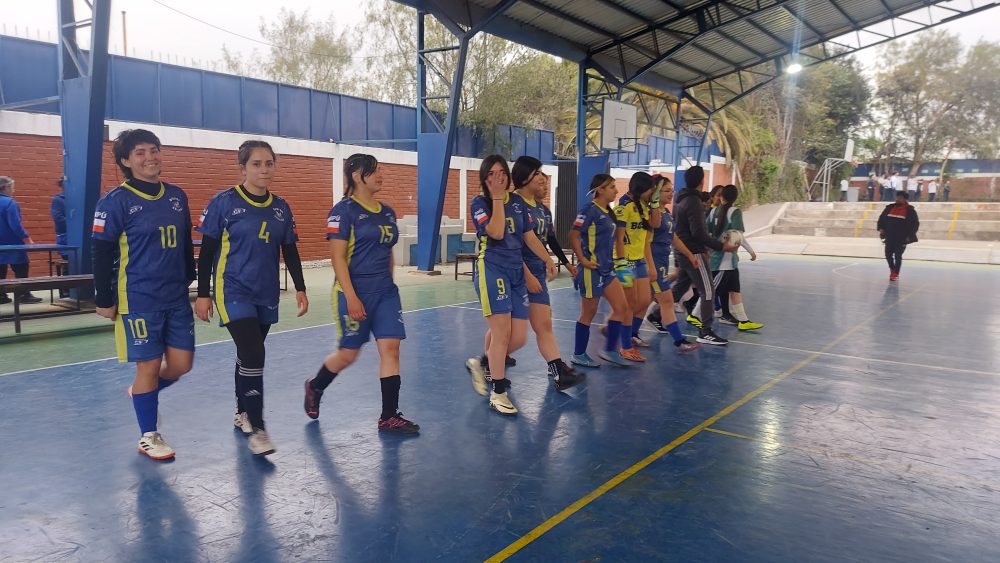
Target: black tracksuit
(689,225)
(899,224)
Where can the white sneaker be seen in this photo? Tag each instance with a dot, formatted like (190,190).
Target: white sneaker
(478,375)
(152,444)
(500,402)
(718,313)
(242,421)
(259,443)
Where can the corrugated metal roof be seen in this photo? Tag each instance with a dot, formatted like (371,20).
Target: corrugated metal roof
(704,39)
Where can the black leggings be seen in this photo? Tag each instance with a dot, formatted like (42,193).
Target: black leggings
(20,271)
(726,282)
(248,335)
(894,255)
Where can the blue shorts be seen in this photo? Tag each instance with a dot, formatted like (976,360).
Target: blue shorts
(235,310)
(541,298)
(146,336)
(383,317)
(501,290)
(640,268)
(591,283)
(660,283)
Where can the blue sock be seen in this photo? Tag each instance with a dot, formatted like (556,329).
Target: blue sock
(582,338)
(145,405)
(675,331)
(636,325)
(164,383)
(626,337)
(614,330)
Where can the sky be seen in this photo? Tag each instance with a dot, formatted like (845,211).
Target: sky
(157,32)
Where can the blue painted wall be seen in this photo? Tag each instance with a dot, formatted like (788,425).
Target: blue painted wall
(162,94)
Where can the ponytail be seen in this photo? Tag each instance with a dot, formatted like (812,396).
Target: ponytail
(729,195)
(366,163)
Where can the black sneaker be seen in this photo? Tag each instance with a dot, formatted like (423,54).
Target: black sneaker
(709,337)
(657,323)
(567,378)
(396,424)
(4,299)
(509,362)
(728,320)
(28,298)
(311,403)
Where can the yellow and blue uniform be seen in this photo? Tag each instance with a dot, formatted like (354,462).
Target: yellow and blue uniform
(596,229)
(152,286)
(628,217)
(543,227)
(370,234)
(499,274)
(251,235)
(663,240)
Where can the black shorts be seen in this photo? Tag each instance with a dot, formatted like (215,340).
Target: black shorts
(726,281)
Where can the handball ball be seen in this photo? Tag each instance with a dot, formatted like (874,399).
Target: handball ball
(733,237)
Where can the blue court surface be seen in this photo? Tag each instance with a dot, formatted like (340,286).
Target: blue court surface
(861,424)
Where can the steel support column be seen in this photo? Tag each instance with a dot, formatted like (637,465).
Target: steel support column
(83,90)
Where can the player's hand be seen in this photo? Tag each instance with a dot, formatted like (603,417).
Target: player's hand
(571,269)
(695,261)
(730,247)
(753,256)
(589,264)
(624,272)
(550,269)
(532,283)
(302,301)
(203,308)
(672,276)
(496,184)
(108,312)
(355,308)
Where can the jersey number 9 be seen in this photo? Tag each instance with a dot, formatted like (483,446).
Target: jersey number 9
(501,287)
(168,236)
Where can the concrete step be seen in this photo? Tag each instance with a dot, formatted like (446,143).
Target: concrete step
(872,221)
(933,214)
(849,232)
(920,205)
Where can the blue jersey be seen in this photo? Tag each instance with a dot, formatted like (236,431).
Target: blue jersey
(505,253)
(543,227)
(597,235)
(663,238)
(151,231)
(251,235)
(370,235)
(11,230)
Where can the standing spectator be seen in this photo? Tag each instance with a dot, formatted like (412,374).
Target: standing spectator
(884,188)
(58,211)
(895,184)
(947,190)
(843,190)
(920,189)
(911,188)
(12,232)
(897,226)
(932,190)
(871,187)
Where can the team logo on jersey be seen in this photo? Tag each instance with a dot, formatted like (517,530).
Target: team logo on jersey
(140,341)
(279,214)
(134,209)
(480,217)
(333,225)
(99,218)
(239,210)
(362,216)
(175,204)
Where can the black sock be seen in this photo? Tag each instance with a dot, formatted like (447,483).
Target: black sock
(390,396)
(500,385)
(251,389)
(323,379)
(236,386)
(484,361)
(555,368)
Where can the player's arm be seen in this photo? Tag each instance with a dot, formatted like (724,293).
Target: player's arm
(338,256)
(206,266)
(679,245)
(496,227)
(293,263)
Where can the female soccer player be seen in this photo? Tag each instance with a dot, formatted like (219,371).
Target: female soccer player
(663,318)
(243,230)
(145,226)
(504,226)
(362,232)
(593,242)
(632,228)
(532,185)
(725,265)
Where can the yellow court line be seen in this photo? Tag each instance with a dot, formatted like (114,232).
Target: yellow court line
(954,220)
(861,223)
(730,434)
(618,479)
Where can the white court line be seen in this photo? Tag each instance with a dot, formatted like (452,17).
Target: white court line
(836,272)
(205,343)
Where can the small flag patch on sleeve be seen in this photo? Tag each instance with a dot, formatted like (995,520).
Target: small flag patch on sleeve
(580,219)
(98,226)
(333,225)
(481,217)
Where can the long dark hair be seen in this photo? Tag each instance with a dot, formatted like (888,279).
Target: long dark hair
(484,173)
(729,195)
(524,170)
(366,163)
(598,181)
(640,183)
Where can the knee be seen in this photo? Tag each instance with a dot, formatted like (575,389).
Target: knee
(251,355)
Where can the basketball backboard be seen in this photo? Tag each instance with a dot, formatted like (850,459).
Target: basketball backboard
(618,127)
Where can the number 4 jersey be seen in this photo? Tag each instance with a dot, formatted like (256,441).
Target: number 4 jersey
(151,231)
(251,235)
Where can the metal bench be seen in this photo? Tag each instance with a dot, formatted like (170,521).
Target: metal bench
(22,285)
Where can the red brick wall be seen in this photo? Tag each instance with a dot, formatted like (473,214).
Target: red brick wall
(962,189)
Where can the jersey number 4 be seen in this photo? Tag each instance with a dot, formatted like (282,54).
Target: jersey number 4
(264,234)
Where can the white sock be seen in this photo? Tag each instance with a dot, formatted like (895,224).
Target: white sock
(739,313)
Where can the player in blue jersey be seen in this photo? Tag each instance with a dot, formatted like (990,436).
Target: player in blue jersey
(362,232)
(244,229)
(503,227)
(532,185)
(143,228)
(663,317)
(593,240)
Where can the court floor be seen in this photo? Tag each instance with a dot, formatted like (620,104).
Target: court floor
(859,425)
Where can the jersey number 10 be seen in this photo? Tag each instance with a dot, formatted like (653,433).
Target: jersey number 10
(168,236)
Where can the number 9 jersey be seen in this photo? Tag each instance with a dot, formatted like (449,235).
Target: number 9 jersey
(151,232)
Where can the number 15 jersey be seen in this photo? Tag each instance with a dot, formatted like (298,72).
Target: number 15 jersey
(370,234)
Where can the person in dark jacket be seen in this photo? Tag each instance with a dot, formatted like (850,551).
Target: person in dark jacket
(898,227)
(12,232)
(57,209)
(689,217)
